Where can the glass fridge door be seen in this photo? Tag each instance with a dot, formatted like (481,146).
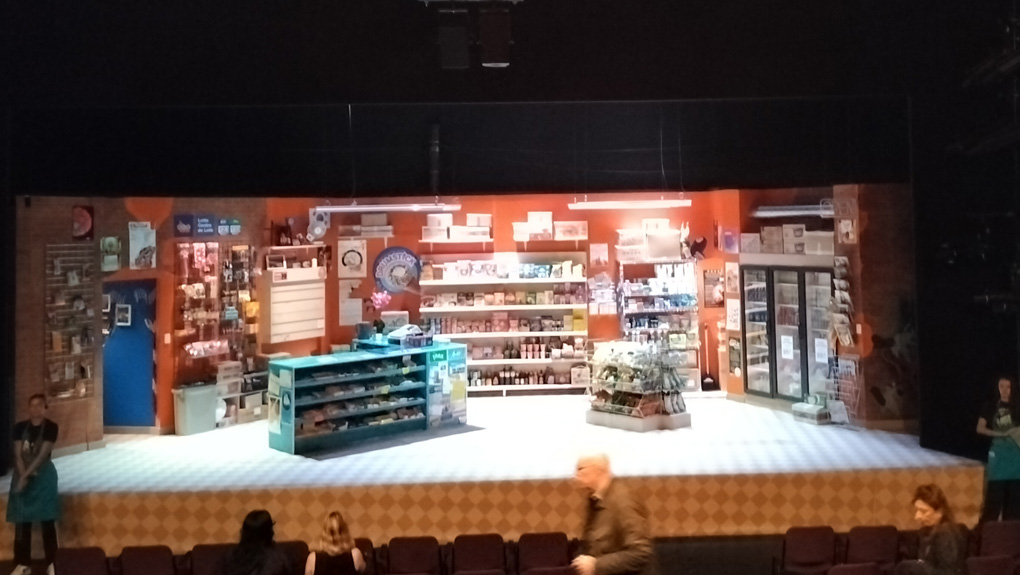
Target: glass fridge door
(787,305)
(756,335)
(817,292)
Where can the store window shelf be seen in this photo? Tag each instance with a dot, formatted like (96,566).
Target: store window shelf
(498,362)
(367,411)
(305,384)
(485,281)
(385,390)
(309,441)
(512,334)
(487,308)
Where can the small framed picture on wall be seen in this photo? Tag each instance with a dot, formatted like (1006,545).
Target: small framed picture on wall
(123,314)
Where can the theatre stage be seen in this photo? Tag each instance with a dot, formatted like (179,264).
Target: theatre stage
(738,470)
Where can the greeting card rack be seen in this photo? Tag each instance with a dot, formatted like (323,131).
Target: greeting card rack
(70,333)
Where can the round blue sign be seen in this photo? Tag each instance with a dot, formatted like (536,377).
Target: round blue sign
(395,269)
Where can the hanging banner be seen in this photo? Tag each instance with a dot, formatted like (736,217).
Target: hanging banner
(395,269)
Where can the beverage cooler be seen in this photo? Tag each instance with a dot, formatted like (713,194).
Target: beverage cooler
(786,330)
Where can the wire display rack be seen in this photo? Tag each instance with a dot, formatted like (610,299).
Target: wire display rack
(844,389)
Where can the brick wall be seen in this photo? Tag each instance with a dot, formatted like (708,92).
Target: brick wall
(43,221)
(883,288)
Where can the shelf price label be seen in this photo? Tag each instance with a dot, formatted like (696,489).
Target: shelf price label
(406,370)
(384,389)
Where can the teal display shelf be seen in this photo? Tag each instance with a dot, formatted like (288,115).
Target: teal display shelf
(327,402)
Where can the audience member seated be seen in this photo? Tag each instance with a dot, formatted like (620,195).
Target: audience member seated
(257,554)
(336,553)
(943,542)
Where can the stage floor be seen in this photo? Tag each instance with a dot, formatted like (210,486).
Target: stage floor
(739,470)
(507,438)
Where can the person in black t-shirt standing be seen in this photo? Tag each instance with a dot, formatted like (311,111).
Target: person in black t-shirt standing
(1000,420)
(34,497)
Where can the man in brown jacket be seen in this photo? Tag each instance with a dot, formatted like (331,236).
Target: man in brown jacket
(615,539)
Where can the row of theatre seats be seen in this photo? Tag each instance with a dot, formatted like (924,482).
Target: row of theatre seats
(993,549)
(489,554)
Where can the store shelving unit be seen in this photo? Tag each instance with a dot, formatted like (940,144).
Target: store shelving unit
(216,325)
(512,334)
(503,303)
(71,309)
(323,402)
(658,304)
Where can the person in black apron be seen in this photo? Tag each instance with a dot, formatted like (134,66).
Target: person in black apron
(1000,420)
(34,497)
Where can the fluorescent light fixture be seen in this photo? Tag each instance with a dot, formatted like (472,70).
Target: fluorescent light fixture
(822,210)
(367,208)
(629,204)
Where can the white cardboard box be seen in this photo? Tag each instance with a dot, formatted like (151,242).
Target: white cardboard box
(469,233)
(570,230)
(373,219)
(750,243)
(434,233)
(540,222)
(439,220)
(480,220)
(793,231)
(655,224)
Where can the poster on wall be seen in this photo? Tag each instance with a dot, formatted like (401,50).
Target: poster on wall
(598,254)
(141,245)
(731,241)
(733,314)
(732,277)
(715,289)
(184,225)
(846,231)
(109,248)
(205,225)
(786,346)
(735,355)
(353,259)
(82,222)
(396,269)
(229,227)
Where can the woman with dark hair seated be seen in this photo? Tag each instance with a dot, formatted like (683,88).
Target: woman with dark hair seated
(943,542)
(257,554)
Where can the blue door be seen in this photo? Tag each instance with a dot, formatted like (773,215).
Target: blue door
(128,365)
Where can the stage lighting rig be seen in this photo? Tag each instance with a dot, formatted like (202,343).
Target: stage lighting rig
(473,29)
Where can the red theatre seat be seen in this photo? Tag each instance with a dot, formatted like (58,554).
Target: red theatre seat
(874,544)
(991,565)
(808,550)
(208,559)
(80,561)
(414,556)
(479,555)
(543,554)
(147,560)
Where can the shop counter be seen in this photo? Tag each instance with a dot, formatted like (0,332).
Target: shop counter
(330,401)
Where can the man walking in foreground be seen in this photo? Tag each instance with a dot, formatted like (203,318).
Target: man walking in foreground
(615,538)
